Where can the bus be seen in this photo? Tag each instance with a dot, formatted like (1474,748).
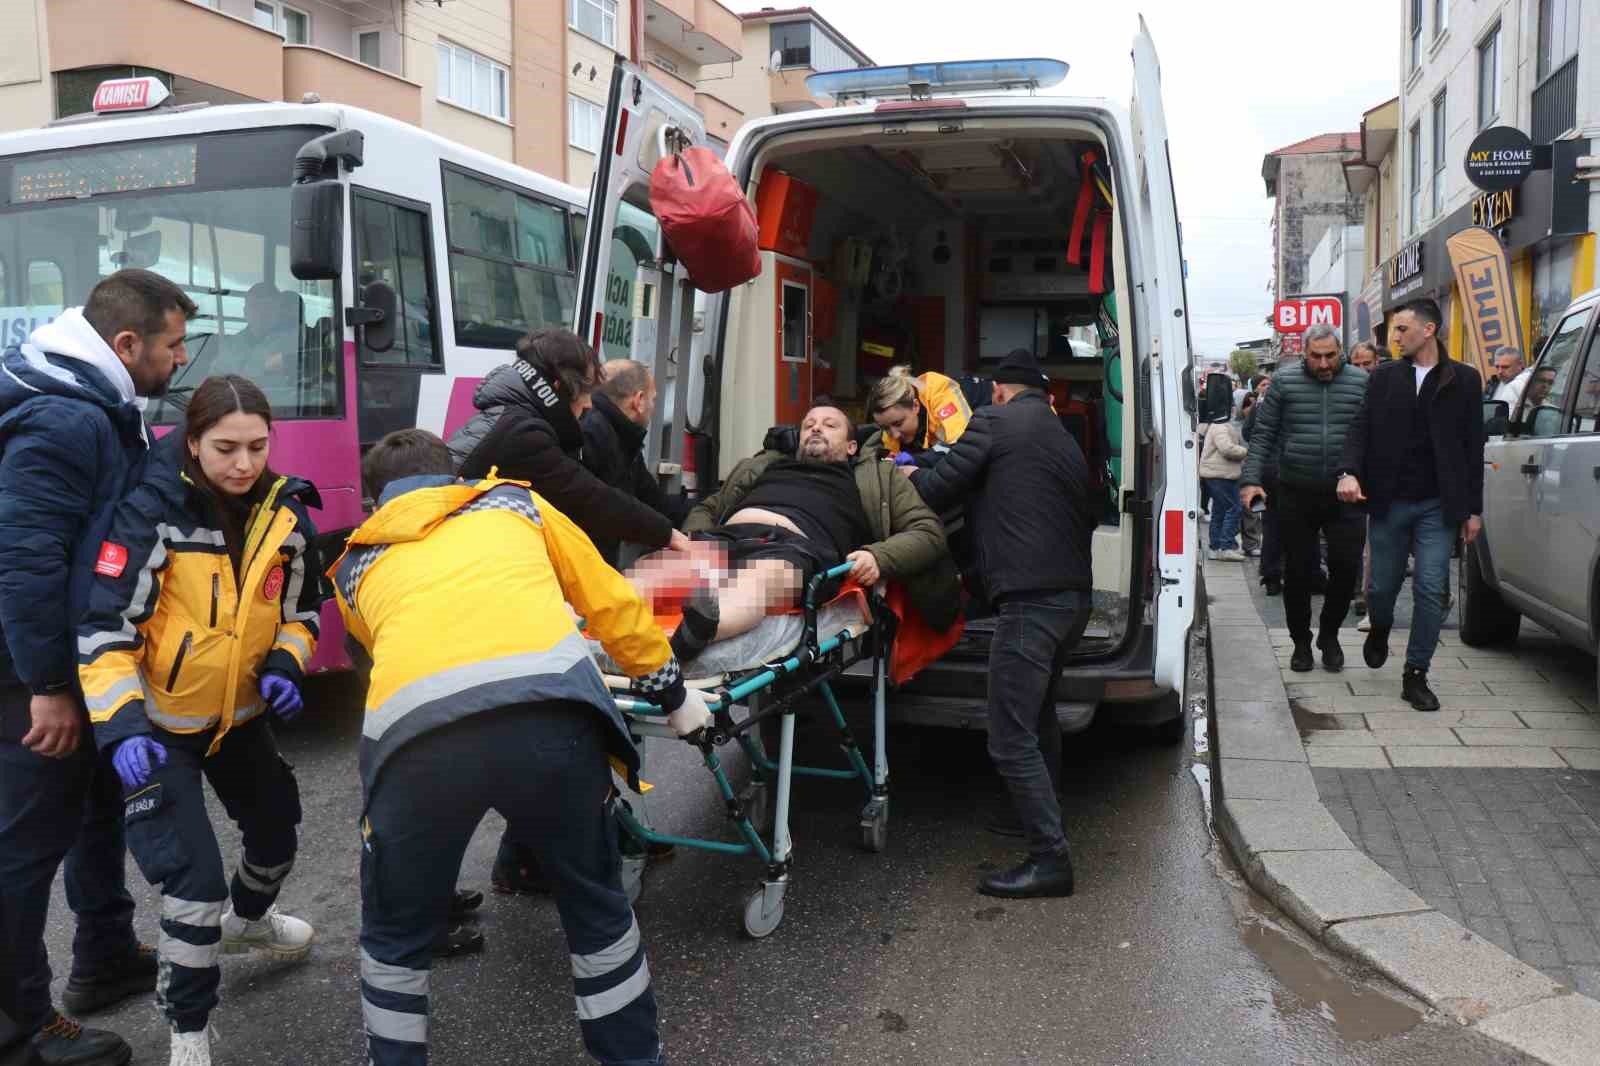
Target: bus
(471,253)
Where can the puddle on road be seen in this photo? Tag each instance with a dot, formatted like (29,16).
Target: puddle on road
(1357,1013)
(1307,720)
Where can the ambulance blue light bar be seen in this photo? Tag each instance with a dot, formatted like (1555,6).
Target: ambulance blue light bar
(922,81)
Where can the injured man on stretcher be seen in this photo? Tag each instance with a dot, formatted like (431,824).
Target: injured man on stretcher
(779,520)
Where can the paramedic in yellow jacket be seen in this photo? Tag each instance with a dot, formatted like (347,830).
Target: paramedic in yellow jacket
(920,416)
(458,592)
(201,620)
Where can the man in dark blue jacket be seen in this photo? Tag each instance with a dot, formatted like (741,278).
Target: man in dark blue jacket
(1027,487)
(72,440)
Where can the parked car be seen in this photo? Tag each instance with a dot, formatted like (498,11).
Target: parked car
(1539,555)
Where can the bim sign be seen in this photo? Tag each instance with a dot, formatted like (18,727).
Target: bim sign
(1301,313)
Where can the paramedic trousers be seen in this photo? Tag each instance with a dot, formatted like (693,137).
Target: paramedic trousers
(170,837)
(542,766)
(54,811)
(1034,634)
(1306,517)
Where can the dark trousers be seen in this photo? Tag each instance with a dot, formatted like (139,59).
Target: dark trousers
(1271,535)
(170,837)
(542,766)
(1306,518)
(55,810)
(1034,635)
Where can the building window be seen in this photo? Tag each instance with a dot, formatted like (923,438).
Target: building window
(596,19)
(1559,23)
(1414,184)
(1441,17)
(1489,78)
(1416,35)
(296,26)
(266,15)
(791,43)
(369,47)
(1439,133)
(586,124)
(473,81)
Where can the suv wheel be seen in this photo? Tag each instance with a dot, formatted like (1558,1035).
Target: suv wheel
(1485,618)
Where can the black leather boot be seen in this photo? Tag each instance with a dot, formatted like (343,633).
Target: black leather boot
(132,975)
(457,939)
(1376,650)
(1415,691)
(464,902)
(1332,654)
(64,1043)
(1035,878)
(1301,662)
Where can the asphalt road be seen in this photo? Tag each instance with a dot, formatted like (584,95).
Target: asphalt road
(1162,957)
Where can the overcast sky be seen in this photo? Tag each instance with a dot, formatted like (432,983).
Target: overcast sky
(1239,79)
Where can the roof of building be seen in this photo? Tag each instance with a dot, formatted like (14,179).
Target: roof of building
(767,14)
(1322,144)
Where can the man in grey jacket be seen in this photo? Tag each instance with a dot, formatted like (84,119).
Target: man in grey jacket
(1307,412)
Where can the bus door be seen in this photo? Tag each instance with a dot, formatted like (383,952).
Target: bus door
(632,301)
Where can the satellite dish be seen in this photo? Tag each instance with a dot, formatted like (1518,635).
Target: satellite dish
(775,60)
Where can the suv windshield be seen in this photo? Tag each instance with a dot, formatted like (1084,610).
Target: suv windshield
(218,225)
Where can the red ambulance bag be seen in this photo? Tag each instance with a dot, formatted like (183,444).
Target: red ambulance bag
(708,223)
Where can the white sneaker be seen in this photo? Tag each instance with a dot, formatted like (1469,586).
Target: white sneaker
(193,1049)
(1365,625)
(276,934)
(1228,555)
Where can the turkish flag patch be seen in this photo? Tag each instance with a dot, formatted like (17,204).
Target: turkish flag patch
(947,410)
(112,560)
(273,584)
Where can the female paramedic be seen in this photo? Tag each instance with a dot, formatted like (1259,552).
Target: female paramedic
(202,619)
(920,416)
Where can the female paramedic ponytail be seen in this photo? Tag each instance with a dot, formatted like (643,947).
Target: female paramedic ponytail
(896,389)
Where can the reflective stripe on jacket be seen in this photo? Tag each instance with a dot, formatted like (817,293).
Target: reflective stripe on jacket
(458,591)
(946,413)
(173,638)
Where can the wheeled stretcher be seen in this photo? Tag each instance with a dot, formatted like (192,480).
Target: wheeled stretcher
(826,640)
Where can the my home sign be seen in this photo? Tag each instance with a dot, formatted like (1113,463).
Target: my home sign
(1499,158)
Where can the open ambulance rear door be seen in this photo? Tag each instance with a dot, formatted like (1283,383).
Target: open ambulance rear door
(630,302)
(1174,484)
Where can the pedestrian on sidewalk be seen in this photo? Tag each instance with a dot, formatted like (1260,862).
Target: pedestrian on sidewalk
(1028,490)
(1221,458)
(1415,457)
(1271,566)
(1307,414)
(1249,521)
(1364,356)
(74,439)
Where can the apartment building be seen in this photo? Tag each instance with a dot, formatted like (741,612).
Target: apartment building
(1470,64)
(1373,175)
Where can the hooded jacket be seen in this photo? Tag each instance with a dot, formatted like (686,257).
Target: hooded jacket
(613,450)
(524,431)
(72,439)
(177,639)
(458,592)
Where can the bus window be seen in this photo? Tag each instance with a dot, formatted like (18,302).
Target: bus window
(511,263)
(46,286)
(392,246)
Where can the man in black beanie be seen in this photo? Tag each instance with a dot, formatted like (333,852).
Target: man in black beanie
(1026,486)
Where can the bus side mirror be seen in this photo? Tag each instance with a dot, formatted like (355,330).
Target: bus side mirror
(316,230)
(376,316)
(1496,415)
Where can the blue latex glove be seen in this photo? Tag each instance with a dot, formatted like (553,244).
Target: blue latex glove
(904,459)
(282,695)
(135,758)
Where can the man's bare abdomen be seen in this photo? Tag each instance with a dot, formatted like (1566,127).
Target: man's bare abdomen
(756,516)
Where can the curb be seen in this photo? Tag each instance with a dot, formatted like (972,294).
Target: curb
(1292,851)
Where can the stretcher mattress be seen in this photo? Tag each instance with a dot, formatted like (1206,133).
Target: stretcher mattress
(777,637)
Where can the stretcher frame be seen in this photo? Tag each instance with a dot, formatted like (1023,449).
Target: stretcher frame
(776,691)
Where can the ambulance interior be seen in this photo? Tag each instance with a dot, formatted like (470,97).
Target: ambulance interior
(945,253)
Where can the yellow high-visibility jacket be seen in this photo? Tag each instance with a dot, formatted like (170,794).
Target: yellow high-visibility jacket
(945,414)
(174,639)
(458,592)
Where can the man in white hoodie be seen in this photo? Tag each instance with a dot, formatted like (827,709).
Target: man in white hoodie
(72,441)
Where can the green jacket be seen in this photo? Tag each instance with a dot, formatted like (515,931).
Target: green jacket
(910,546)
(1304,421)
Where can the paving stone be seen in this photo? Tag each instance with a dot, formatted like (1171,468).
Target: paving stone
(1318,888)
(1273,825)
(1538,738)
(1441,688)
(1493,930)
(1586,980)
(1577,943)
(1571,861)
(1558,904)
(1260,779)
(1445,717)
(1464,871)
(1350,758)
(1467,977)
(1581,758)
(1556,720)
(1478,900)
(1314,689)
(1474,756)
(1561,1031)
(1258,737)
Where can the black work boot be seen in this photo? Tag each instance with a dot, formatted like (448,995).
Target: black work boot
(1376,650)
(701,613)
(133,974)
(1301,661)
(457,939)
(1035,878)
(1332,654)
(64,1043)
(464,902)
(1415,691)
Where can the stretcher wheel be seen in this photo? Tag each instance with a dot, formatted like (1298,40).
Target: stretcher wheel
(757,800)
(633,877)
(875,825)
(763,911)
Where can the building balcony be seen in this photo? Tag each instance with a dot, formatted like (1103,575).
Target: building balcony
(722,118)
(702,31)
(340,80)
(683,90)
(1555,103)
(789,93)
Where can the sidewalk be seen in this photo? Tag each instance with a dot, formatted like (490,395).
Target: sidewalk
(1456,852)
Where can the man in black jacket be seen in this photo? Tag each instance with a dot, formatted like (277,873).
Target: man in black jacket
(1302,423)
(1033,522)
(1415,455)
(614,431)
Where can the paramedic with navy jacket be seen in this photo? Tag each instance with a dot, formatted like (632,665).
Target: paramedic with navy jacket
(72,440)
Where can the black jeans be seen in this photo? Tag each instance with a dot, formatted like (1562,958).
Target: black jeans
(53,810)
(1306,517)
(543,766)
(1034,634)
(1271,533)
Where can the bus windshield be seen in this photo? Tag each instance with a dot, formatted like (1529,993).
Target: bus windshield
(212,214)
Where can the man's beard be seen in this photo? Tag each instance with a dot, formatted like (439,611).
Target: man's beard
(823,456)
